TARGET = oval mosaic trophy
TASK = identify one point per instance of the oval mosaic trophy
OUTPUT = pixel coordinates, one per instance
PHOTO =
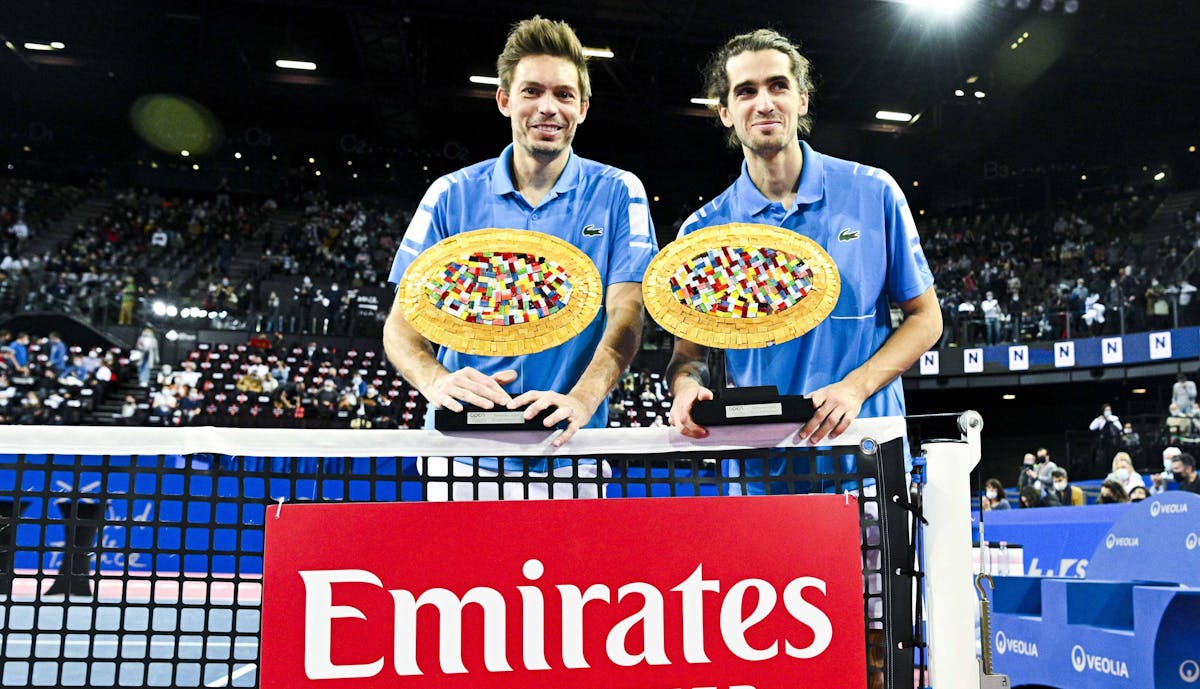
(499, 292)
(741, 286)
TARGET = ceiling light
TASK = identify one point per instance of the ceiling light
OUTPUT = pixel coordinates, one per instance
(705, 101)
(185, 153)
(1160, 177)
(476, 79)
(38, 46)
(1009, 396)
(1013, 46)
(598, 52)
(916, 183)
(1083, 177)
(960, 93)
(1047, 5)
(1191, 149)
(973, 78)
(195, 166)
(296, 64)
(890, 116)
(1138, 391)
(1071, 6)
(237, 154)
(57, 45)
(980, 94)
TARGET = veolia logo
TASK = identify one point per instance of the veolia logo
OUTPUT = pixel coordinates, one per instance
(1157, 508)
(1114, 541)
(1189, 671)
(1081, 659)
(1192, 541)
(1017, 646)
(1078, 657)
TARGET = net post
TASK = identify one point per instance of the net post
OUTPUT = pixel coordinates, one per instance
(949, 592)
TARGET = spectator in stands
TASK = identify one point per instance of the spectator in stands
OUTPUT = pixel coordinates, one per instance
(326, 399)
(1181, 425)
(1124, 473)
(1130, 441)
(129, 296)
(20, 353)
(164, 403)
(1138, 494)
(129, 410)
(1063, 491)
(991, 317)
(1031, 497)
(1107, 429)
(1183, 394)
(1183, 470)
(1036, 471)
(994, 496)
(147, 359)
(1112, 491)
(57, 352)
(74, 374)
(1160, 480)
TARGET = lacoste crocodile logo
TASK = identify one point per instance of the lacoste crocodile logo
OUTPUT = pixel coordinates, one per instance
(846, 235)
(592, 231)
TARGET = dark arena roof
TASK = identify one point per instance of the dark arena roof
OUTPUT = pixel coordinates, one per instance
(1103, 85)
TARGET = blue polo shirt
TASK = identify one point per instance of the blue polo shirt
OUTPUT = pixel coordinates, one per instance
(598, 208)
(858, 214)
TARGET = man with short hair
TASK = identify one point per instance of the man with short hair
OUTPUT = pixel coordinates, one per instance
(1183, 470)
(537, 184)
(850, 364)
(1063, 490)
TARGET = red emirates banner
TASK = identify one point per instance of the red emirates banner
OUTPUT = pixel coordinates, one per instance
(668, 593)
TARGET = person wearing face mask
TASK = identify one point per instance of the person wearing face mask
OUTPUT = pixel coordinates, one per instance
(994, 497)
(1161, 479)
(1183, 470)
(1123, 472)
(1064, 491)
(1111, 492)
(1138, 494)
(1107, 427)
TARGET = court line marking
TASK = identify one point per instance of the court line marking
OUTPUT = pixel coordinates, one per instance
(224, 681)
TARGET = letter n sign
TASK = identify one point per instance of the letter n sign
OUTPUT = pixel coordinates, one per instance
(1111, 351)
(973, 361)
(1160, 345)
(1018, 358)
(931, 364)
(1064, 354)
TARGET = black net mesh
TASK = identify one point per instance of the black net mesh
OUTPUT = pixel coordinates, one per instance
(145, 570)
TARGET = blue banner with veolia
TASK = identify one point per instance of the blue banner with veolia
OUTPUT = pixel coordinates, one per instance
(1132, 622)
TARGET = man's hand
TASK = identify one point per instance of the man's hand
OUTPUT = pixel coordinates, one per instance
(836, 405)
(469, 385)
(570, 409)
(681, 409)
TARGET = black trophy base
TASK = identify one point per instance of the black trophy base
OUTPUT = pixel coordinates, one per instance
(473, 418)
(752, 405)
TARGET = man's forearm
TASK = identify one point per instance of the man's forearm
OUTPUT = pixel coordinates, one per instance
(409, 352)
(689, 361)
(920, 330)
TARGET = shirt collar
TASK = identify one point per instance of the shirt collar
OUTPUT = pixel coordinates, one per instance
(810, 189)
(502, 181)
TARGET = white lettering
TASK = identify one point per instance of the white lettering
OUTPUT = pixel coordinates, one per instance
(650, 617)
(572, 619)
(319, 614)
(450, 609)
(692, 590)
(533, 614)
(734, 626)
(807, 614)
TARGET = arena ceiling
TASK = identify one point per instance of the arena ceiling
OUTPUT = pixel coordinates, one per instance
(395, 74)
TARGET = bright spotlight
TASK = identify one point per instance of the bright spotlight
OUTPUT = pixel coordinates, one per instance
(172, 335)
(890, 116)
(212, 314)
(1160, 177)
(159, 308)
(172, 311)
